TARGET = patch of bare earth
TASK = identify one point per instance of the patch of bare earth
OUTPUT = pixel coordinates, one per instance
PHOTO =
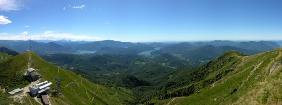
(20, 96)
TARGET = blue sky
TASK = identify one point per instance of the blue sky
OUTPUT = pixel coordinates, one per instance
(141, 20)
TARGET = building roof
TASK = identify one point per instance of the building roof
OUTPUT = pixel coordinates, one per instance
(40, 87)
(30, 69)
(34, 73)
(45, 99)
(15, 91)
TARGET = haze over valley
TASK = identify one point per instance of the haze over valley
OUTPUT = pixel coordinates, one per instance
(140, 52)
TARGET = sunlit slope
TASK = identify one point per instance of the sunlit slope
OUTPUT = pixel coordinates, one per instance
(253, 80)
(75, 89)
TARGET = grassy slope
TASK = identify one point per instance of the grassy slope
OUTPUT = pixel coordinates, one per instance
(4, 57)
(76, 90)
(254, 80)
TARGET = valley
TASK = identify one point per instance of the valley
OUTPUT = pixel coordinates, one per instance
(251, 82)
(198, 73)
(140, 52)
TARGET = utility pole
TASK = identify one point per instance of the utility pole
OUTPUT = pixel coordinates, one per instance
(29, 51)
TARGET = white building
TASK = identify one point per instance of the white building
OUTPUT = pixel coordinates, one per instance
(18, 90)
(39, 88)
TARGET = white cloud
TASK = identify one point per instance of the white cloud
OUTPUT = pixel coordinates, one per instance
(48, 32)
(9, 5)
(49, 35)
(5, 36)
(79, 6)
(4, 20)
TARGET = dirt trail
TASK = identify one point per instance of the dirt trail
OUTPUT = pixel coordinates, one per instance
(251, 73)
(37, 100)
(20, 96)
(275, 65)
(171, 101)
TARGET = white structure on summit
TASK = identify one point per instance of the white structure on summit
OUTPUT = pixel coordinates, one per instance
(18, 90)
(39, 88)
(32, 75)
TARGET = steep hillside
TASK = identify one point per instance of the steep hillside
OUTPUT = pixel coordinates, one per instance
(8, 51)
(75, 89)
(231, 79)
(4, 57)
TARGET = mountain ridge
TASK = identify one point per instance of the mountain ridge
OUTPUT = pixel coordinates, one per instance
(75, 89)
(253, 80)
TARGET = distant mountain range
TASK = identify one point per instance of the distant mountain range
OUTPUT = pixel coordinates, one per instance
(116, 47)
(198, 73)
(279, 42)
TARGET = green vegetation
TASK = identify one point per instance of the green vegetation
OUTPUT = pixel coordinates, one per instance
(232, 79)
(12, 72)
(161, 78)
(3, 99)
(4, 57)
(158, 78)
(75, 89)
(109, 69)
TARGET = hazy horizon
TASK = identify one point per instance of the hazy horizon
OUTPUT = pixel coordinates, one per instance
(150, 41)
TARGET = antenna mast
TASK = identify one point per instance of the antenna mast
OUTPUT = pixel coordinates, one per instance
(29, 51)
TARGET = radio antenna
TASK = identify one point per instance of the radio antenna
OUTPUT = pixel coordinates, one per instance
(29, 50)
